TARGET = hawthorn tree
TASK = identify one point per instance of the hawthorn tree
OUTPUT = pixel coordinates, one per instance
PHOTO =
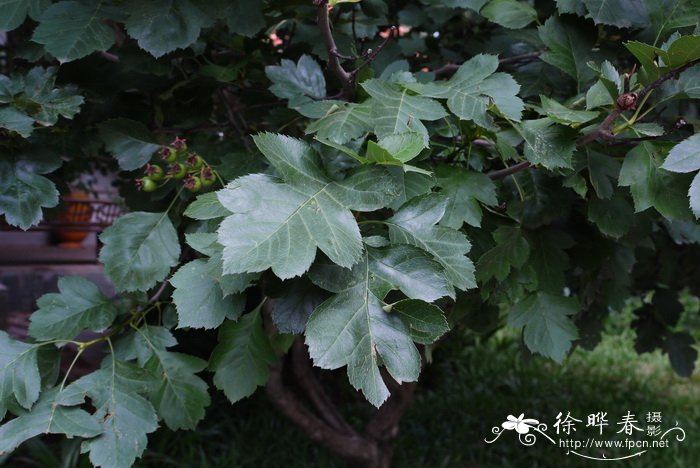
(334, 184)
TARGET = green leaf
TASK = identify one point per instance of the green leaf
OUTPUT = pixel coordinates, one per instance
(471, 89)
(414, 224)
(206, 206)
(614, 217)
(139, 250)
(181, 397)
(465, 189)
(47, 417)
(511, 252)
(548, 144)
(681, 353)
(70, 30)
(689, 82)
(19, 373)
(685, 156)
(403, 146)
(549, 259)
(351, 329)
(306, 212)
(563, 115)
(472, 4)
(142, 343)
(79, 305)
(162, 26)
(343, 122)
(23, 190)
(683, 50)
(129, 142)
(394, 110)
(602, 170)
(510, 14)
(652, 186)
(292, 310)
(300, 83)
(620, 13)
(16, 121)
(548, 330)
(646, 54)
(426, 322)
(244, 17)
(125, 416)
(408, 269)
(411, 184)
(569, 47)
(694, 195)
(35, 95)
(13, 12)
(598, 95)
(241, 359)
(199, 300)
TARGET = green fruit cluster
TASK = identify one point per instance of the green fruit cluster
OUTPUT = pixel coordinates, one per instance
(188, 167)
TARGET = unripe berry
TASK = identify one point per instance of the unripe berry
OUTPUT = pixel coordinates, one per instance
(192, 183)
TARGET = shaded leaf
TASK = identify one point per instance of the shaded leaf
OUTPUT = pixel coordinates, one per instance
(129, 142)
(351, 329)
(547, 328)
(465, 190)
(414, 224)
(241, 359)
(70, 30)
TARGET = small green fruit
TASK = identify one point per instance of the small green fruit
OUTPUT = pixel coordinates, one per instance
(145, 184)
(194, 161)
(192, 183)
(168, 154)
(177, 171)
(154, 172)
(207, 176)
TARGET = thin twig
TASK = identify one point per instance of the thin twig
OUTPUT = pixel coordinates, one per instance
(501, 173)
(346, 78)
(372, 53)
(450, 68)
(628, 101)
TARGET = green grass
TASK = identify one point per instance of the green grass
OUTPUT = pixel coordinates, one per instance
(478, 391)
(468, 390)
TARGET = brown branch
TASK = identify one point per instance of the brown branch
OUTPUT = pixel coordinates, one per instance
(628, 101)
(659, 81)
(501, 173)
(303, 371)
(450, 68)
(226, 98)
(371, 54)
(384, 425)
(346, 78)
(353, 447)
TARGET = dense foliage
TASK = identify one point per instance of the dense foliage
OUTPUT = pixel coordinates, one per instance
(457, 164)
